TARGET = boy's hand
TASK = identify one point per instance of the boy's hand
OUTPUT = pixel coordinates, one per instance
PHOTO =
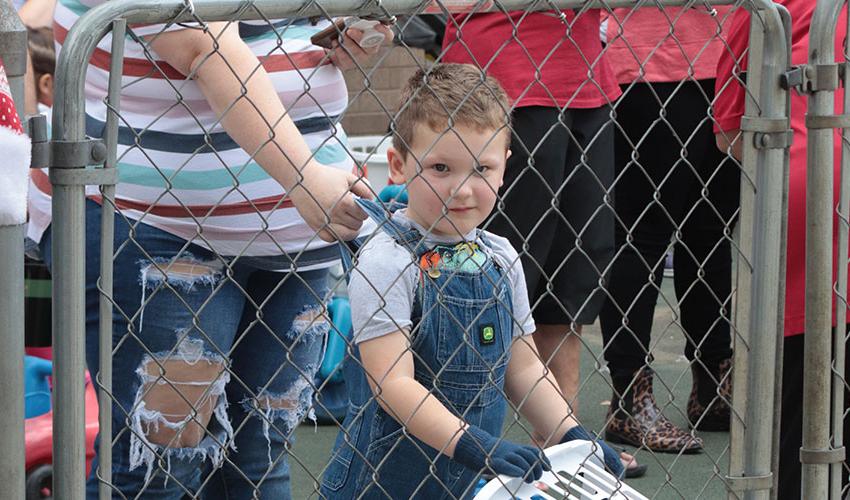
(478, 449)
(612, 458)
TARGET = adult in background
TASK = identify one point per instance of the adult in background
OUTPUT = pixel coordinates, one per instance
(556, 202)
(233, 178)
(672, 184)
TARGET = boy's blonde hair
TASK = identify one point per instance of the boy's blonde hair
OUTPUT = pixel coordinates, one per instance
(450, 94)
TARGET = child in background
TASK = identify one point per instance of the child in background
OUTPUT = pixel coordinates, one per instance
(441, 314)
(38, 89)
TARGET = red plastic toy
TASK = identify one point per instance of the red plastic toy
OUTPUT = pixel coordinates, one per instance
(39, 447)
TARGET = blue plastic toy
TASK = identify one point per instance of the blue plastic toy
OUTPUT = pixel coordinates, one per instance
(393, 192)
(331, 400)
(340, 312)
(36, 387)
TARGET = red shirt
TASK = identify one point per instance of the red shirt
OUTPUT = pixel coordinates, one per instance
(728, 110)
(539, 65)
(665, 46)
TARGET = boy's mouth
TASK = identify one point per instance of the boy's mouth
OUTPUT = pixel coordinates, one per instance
(460, 209)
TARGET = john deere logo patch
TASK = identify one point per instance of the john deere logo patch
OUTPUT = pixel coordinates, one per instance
(487, 334)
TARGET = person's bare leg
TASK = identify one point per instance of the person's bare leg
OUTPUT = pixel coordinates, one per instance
(560, 350)
(559, 347)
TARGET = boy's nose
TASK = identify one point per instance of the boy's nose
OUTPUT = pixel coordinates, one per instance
(462, 190)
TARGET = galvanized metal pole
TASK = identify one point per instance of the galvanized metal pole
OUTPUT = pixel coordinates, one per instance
(68, 233)
(13, 50)
(69, 284)
(780, 297)
(107, 230)
(758, 315)
(839, 340)
(819, 203)
(764, 325)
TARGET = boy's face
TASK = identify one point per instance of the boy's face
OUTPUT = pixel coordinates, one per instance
(452, 177)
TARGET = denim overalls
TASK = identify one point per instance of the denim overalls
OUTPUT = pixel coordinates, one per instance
(461, 339)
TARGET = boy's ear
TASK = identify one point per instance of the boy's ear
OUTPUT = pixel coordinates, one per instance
(396, 165)
(45, 89)
(502, 179)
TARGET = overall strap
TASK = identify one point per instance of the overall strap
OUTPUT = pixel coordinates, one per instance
(406, 237)
(409, 238)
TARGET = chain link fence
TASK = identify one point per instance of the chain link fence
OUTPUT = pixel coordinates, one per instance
(213, 323)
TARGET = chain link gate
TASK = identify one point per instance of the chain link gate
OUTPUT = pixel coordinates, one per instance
(758, 250)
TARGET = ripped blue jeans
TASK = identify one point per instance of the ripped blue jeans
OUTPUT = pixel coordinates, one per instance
(213, 363)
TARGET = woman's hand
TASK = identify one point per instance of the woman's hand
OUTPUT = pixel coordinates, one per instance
(322, 196)
(348, 54)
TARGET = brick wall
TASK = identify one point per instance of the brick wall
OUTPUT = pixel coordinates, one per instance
(369, 111)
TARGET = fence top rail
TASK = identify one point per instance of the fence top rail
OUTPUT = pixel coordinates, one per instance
(68, 116)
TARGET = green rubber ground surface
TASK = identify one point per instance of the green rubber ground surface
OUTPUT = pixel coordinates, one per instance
(670, 476)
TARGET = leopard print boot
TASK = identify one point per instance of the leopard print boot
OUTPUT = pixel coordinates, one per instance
(708, 405)
(636, 420)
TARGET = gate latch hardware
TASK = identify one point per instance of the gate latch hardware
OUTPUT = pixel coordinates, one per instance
(806, 79)
(40, 153)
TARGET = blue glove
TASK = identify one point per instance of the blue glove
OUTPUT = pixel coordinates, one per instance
(477, 449)
(612, 458)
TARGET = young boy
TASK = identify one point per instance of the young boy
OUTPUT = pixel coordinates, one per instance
(441, 314)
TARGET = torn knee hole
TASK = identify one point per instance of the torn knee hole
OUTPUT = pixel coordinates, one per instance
(277, 403)
(178, 399)
(185, 272)
(311, 321)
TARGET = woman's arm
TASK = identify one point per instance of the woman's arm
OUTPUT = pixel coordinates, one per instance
(388, 362)
(734, 147)
(241, 93)
(533, 390)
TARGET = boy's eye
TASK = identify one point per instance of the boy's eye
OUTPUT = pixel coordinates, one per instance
(481, 169)
(440, 167)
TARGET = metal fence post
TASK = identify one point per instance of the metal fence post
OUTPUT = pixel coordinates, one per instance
(762, 208)
(69, 156)
(816, 453)
(838, 379)
(13, 52)
(119, 28)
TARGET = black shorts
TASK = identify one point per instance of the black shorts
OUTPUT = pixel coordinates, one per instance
(557, 209)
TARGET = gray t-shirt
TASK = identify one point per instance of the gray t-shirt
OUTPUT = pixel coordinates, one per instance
(382, 285)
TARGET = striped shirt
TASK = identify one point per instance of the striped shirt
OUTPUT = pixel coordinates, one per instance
(179, 170)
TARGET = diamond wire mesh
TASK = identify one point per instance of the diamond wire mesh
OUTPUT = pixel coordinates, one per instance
(203, 282)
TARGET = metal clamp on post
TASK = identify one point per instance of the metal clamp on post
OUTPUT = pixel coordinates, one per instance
(828, 456)
(740, 484)
(768, 133)
(40, 153)
(67, 158)
(810, 79)
(827, 121)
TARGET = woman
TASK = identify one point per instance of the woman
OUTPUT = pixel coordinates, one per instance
(233, 179)
(671, 183)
